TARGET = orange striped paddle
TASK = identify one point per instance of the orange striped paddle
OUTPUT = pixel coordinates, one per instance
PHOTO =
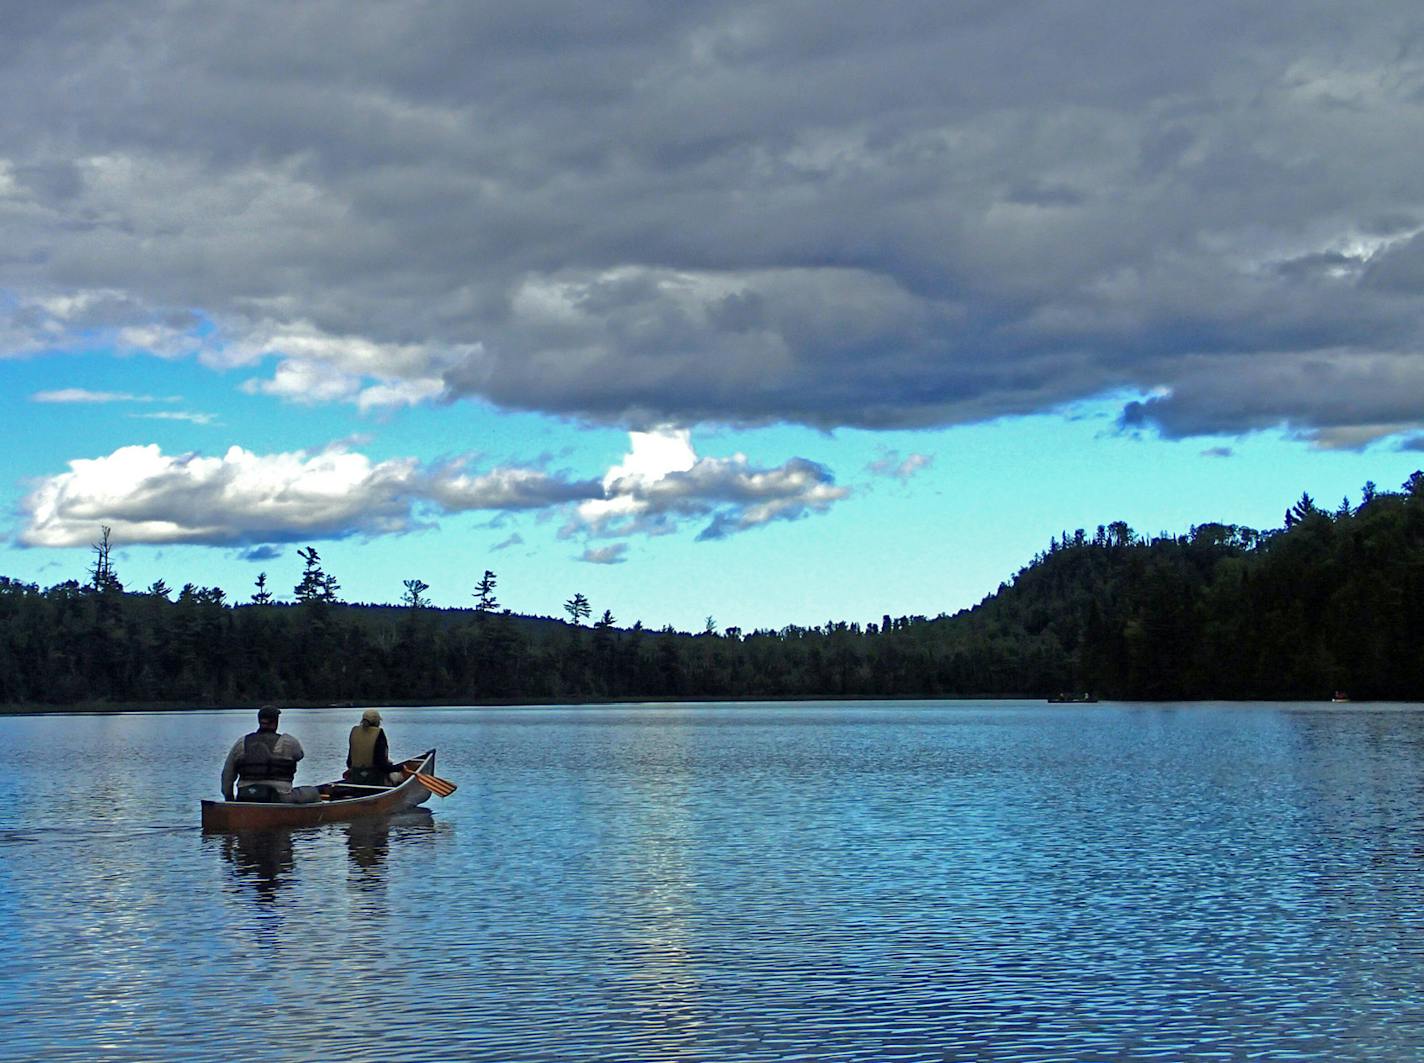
(436, 785)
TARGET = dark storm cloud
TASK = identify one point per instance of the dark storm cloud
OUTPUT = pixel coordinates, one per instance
(1336, 401)
(860, 214)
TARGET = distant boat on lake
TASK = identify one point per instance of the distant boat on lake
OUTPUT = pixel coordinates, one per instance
(1065, 698)
(1340, 695)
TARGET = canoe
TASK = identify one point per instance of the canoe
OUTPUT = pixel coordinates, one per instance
(346, 802)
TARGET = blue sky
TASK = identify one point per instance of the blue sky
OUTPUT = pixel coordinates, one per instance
(698, 310)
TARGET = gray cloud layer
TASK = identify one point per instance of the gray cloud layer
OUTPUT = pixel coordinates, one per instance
(872, 215)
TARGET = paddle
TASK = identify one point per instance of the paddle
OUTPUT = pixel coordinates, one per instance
(436, 785)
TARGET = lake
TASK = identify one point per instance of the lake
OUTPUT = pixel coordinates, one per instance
(825, 881)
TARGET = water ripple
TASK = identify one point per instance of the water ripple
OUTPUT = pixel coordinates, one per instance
(850, 882)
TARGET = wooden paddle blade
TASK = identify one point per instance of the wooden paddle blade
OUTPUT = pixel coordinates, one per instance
(436, 785)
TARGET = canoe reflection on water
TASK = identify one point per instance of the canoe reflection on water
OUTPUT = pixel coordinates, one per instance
(261, 858)
(266, 859)
(369, 840)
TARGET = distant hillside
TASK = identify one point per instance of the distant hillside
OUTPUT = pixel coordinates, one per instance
(1333, 600)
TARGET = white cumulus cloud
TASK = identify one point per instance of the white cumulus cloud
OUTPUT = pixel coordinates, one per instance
(662, 483)
(243, 498)
(147, 496)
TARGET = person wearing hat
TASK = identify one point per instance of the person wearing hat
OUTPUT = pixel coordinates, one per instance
(264, 763)
(368, 760)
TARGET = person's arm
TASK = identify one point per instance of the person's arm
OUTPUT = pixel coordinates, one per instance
(229, 773)
(382, 753)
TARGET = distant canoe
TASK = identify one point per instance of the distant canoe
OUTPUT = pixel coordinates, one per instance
(1340, 695)
(1072, 699)
(350, 802)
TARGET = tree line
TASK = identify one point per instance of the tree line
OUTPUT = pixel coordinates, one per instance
(1333, 600)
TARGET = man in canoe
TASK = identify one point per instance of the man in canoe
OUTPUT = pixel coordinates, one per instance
(368, 759)
(264, 763)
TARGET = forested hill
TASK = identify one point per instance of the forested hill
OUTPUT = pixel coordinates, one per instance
(1333, 600)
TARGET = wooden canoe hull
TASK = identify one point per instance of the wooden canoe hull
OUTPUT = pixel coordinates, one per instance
(254, 815)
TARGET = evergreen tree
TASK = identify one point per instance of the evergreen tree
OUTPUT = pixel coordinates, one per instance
(578, 609)
(1301, 510)
(317, 586)
(102, 576)
(313, 578)
(261, 596)
(484, 593)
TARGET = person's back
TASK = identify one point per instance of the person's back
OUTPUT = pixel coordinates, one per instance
(263, 764)
(368, 757)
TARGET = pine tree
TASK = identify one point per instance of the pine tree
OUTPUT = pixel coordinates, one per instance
(103, 577)
(484, 594)
(314, 585)
(578, 609)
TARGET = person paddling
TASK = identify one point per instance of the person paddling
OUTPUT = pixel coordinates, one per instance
(264, 764)
(368, 759)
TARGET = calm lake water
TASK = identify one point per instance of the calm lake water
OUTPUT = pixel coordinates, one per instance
(862, 881)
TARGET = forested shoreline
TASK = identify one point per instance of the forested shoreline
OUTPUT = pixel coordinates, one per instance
(1333, 600)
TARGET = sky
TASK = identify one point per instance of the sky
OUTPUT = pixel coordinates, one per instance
(713, 312)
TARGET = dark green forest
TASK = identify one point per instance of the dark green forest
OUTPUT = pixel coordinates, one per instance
(1333, 600)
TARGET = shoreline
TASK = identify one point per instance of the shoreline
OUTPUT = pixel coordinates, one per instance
(127, 708)
(120, 708)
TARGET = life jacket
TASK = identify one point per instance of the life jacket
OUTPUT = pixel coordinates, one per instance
(363, 746)
(258, 761)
